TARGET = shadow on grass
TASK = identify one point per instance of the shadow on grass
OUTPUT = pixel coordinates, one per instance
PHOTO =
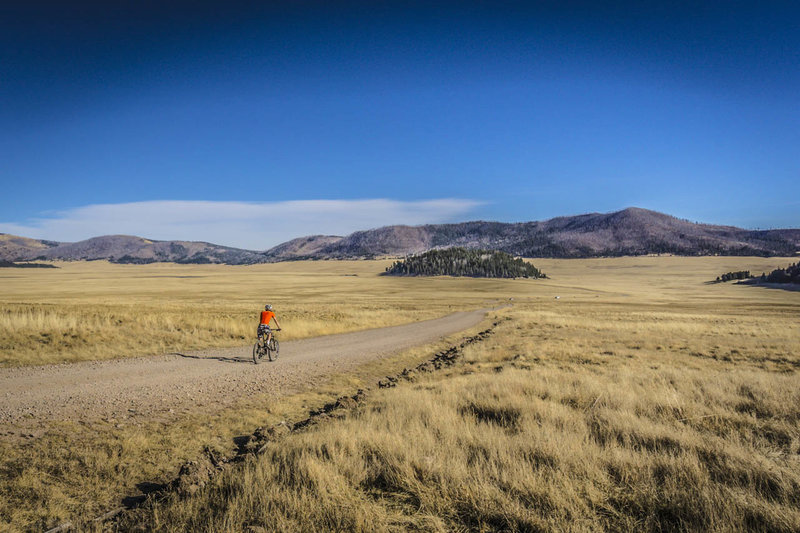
(766, 285)
(146, 488)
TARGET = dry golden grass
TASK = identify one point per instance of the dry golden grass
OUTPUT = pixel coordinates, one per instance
(77, 471)
(642, 399)
(677, 412)
(99, 310)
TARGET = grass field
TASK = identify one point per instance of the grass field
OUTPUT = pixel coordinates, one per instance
(641, 399)
(98, 310)
(553, 425)
(660, 406)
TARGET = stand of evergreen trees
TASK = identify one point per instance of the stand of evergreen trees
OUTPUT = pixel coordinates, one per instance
(730, 276)
(790, 274)
(464, 262)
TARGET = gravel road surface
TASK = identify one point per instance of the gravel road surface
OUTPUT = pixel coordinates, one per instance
(211, 379)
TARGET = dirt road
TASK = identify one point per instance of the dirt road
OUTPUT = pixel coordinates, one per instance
(212, 378)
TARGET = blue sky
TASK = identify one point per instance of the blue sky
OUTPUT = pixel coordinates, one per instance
(203, 121)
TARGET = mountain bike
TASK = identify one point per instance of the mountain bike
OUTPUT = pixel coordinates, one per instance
(263, 348)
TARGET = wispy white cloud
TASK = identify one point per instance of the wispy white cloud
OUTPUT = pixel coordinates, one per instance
(249, 225)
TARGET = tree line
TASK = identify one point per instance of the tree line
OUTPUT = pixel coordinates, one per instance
(730, 276)
(790, 274)
(11, 264)
(464, 262)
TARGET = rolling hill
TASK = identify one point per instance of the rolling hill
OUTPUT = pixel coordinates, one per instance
(632, 231)
(124, 249)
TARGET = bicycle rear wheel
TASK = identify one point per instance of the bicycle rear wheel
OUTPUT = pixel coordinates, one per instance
(257, 352)
(274, 350)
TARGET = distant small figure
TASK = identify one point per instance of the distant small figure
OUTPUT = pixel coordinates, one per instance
(558, 297)
(511, 299)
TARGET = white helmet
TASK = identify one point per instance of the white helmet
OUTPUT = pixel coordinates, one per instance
(267, 307)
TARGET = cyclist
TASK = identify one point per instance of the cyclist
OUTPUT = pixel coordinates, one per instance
(267, 315)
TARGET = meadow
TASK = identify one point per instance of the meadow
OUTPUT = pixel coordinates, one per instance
(671, 414)
(548, 426)
(641, 399)
(97, 310)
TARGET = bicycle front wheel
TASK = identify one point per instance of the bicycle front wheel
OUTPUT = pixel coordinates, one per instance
(274, 349)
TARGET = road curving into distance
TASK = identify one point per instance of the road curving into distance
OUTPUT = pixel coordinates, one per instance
(207, 379)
